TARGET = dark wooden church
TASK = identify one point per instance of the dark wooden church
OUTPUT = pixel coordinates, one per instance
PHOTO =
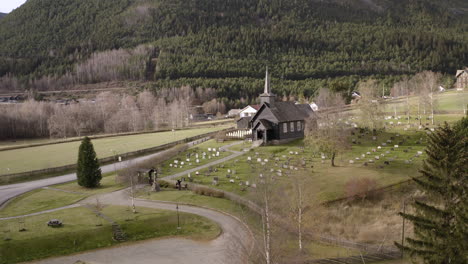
(278, 122)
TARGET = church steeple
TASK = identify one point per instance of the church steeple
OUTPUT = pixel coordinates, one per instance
(267, 83)
(267, 96)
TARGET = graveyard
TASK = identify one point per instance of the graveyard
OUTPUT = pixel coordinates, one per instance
(195, 156)
(388, 158)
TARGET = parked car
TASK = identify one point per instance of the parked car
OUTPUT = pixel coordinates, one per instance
(54, 223)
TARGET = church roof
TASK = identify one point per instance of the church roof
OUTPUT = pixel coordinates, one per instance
(289, 111)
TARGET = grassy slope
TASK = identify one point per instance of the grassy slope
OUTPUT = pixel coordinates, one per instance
(82, 230)
(13, 161)
(448, 101)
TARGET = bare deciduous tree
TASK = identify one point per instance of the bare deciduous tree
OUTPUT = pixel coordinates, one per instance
(369, 105)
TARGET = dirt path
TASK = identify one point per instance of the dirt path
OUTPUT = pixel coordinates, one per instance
(232, 246)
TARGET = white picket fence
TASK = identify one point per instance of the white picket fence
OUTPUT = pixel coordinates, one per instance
(240, 134)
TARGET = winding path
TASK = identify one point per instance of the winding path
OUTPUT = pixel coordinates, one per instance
(232, 246)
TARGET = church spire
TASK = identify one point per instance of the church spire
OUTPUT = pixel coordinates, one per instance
(267, 96)
(267, 83)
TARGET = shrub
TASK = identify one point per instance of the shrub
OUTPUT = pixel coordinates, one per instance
(208, 192)
(360, 188)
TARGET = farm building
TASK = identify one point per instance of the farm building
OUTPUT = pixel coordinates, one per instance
(249, 110)
(462, 79)
(278, 122)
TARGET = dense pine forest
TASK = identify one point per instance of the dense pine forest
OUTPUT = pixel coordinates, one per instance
(226, 44)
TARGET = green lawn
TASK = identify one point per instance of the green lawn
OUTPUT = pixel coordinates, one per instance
(36, 158)
(45, 199)
(83, 230)
(193, 151)
(447, 101)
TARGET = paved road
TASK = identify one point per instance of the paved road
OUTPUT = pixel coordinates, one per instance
(8, 192)
(232, 246)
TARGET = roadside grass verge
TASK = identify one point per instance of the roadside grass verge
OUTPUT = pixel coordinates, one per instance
(83, 230)
(42, 157)
(45, 199)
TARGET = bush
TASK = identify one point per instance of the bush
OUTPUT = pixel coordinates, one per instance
(363, 188)
(208, 192)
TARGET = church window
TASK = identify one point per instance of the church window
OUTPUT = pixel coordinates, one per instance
(292, 126)
(285, 127)
(299, 126)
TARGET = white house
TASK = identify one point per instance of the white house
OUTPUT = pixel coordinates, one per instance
(249, 110)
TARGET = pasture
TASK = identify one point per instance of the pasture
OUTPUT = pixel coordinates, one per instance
(56, 155)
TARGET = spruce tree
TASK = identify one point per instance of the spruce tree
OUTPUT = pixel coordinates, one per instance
(88, 171)
(440, 220)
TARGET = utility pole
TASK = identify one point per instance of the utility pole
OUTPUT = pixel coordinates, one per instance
(403, 229)
(133, 196)
(178, 218)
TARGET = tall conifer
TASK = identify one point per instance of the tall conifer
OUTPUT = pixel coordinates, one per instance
(88, 171)
(440, 221)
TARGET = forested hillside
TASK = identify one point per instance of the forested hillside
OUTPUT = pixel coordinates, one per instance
(2, 15)
(226, 44)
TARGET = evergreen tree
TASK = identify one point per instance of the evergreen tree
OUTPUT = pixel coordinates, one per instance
(440, 221)
(88, 171)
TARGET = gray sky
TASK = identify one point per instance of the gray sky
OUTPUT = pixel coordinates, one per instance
(6, 6)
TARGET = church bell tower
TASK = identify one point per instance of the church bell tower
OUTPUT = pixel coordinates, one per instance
(267, 96)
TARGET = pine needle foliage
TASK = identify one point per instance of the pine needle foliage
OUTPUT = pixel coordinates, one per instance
(440, 221)
(88, 171)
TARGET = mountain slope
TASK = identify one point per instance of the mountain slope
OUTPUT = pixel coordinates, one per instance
(2, 15)
(215, 39)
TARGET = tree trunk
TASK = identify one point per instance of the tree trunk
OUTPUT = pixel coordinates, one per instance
(333, 159)
(267, 230)
(300, 218)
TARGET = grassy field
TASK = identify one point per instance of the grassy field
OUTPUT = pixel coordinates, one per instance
(189, 157)
(83, 230)
(45, 199)
(36, 158)
(447, 101)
